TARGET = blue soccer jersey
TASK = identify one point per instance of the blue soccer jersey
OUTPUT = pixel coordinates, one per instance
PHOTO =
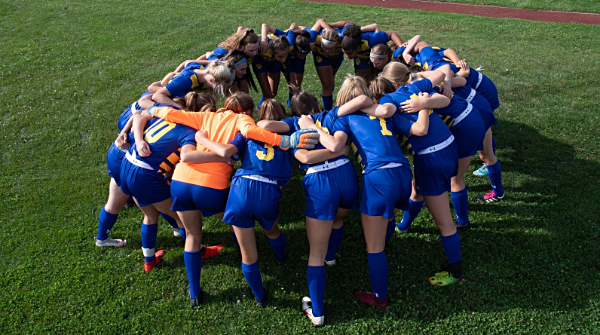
(374, 139)
(263, 159)
(437, 131)
(165, 140)
(369, 40)
(324, 120)
(186, 81)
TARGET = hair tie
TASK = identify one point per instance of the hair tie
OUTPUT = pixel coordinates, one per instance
(376, 56)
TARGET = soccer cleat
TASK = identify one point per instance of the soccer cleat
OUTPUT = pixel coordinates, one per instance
(490, 197)
(482, 171)
(284, 259)
(130, 203)
(176, 232)
(211, 251)
(368, 298)
(261, 303)
(461, 226)
(398, 230)
(110, 242)
(194, 302)
(158, 256)
(331, 262)
(444, 279)
(307, 309)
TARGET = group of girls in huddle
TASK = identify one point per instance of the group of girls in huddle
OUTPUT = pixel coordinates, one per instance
(178, 157)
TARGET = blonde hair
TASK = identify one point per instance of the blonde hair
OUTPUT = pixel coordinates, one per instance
(396, 72)
(352, 87)
(383, 50)
(271, 109)
(238, 102)
(331, 35)
(222, 74)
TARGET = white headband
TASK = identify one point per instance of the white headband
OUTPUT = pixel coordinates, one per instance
(327, 43)
(372, 55)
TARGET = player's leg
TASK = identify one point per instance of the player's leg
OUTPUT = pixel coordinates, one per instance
(459, 194)
(149, 231)
(375, 229)
(247, 241)
(440, 211)
(415, 204)
(318, 232)
(278, 243)
(488, 156)
(326, 77)
(108, 216)
(335, 238)
(192, 220)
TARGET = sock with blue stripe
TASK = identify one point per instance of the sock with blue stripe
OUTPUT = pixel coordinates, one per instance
(315, 277)
(252, 275)
(193, 267)
(451, 246)
(279, 246)
(495, 175)
(106, 221)
(379, 273)
(335, 240)
(170, 220)
(460, 201)
(391, 228)
(414, 208)
(327, 102)
(149, 232)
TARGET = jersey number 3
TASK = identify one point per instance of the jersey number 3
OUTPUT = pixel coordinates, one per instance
(268, 156)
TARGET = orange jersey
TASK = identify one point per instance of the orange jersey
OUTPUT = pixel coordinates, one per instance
(220, 127)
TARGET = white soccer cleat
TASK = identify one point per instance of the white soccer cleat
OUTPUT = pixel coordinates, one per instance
(330, 263)
(176, 232)
(110, 242)
(307, 309)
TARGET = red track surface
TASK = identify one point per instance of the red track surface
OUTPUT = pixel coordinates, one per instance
(489, 11)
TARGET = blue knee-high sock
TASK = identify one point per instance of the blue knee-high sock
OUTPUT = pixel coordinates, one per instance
(315, 277)
(335, 240)
(182, 233)
(414, 208)
(327, 102)
(106, 221)
(252, 275)
(279, 246)
(234, 237)
(495, 175)
(451, 246)
(170, 221)
(262, 98)
(460, 201)
(379, 273)
(391, 228)
(193, 266)
(149, 232)
(290, 95)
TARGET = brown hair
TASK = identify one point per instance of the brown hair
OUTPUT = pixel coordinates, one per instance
(303, 103)
(198, 102)
(279, 44)
(240, 39)
(352, 37)
(382, 49)
(302, 41)
(352, 87)
(271, 109)
(238, 102)
(379, 87)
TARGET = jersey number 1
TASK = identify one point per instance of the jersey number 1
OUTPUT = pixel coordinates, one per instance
(383, 125)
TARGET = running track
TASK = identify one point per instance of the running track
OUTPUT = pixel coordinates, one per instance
(479, 10)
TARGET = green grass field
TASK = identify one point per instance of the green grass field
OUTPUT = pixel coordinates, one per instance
(69, 68)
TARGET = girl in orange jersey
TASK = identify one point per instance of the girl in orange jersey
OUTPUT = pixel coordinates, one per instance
(201, 189)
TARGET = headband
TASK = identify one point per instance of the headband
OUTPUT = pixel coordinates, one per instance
(302, 51)
(372, 55)
(327, 43)
(241, 62)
